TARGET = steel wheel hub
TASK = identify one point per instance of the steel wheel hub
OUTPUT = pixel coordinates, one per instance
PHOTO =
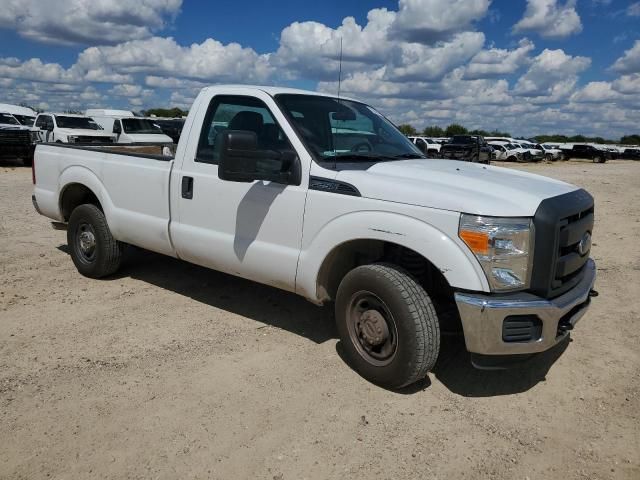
(373, 328)
(86, 243)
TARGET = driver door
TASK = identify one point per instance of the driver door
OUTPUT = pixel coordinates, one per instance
(251, 229)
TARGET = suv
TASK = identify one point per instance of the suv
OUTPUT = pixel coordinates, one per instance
(469, 148)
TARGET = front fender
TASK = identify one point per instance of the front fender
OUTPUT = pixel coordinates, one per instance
(449, 255)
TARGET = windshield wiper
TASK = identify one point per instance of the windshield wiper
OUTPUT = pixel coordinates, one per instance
(356, 156)
(408, 156)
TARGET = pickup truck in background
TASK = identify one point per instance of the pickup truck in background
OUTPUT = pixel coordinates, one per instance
(172, 127)
(505, 152)
(24, 115)
(70, 128)
(588, 152)
(468, 148)
(16, 140)
(428, 146)
(403, 247)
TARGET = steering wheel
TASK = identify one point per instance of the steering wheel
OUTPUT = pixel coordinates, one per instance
(362, 147)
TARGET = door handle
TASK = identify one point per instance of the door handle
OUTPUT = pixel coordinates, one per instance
(187, 187)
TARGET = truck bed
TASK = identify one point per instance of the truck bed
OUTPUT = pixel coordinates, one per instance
(131, 185)
(145, 150)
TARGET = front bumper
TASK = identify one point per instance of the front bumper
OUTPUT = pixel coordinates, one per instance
(483, 317)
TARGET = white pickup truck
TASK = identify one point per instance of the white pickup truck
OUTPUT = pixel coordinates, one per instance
(404, 246)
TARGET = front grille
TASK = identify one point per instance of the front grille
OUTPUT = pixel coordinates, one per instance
(14, 137)
(563, 226)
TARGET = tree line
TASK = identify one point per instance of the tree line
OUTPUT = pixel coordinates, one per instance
(457, 129)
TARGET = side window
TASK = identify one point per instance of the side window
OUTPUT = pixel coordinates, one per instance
(41, 122)
(238, 113)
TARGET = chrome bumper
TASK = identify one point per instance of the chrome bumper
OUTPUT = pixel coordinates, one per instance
(483, 316)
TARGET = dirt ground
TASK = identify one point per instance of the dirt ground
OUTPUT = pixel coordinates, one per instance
(169, 371)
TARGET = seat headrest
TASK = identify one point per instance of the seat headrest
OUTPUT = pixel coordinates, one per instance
(247, 120)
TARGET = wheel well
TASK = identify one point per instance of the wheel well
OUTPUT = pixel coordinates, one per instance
(74, 195)
(352, 254)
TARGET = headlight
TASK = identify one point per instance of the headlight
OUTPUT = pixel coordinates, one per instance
(72, 139)
(502, 246)
(34, 136)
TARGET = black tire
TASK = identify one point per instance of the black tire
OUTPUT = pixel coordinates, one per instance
(27, 161)
(412, 326)
(87, 225)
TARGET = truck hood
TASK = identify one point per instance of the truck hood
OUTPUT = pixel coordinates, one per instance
(457, 186)
(149, 138)
(6, 126)
(83, 132)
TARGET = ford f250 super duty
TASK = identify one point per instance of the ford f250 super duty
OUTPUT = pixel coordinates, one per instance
(324, 197)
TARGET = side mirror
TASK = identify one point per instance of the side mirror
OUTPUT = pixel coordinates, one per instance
(116, 128)
(242, 161)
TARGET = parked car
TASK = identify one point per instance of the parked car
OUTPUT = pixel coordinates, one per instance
(127, 128)
(587, 151)
(550, 153)
(392, 240)
(506, 153)
(534, 154)
(631, 154)
(16, 140)
(24, 115)
(171, 127)
(428, 146)
(70, 128)
(469, 148)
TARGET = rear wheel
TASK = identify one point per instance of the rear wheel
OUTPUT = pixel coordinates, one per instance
(387, 325)
(94, 251)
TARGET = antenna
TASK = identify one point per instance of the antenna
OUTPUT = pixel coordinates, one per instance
(340, 70)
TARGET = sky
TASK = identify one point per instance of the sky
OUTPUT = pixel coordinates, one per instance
(525, 66)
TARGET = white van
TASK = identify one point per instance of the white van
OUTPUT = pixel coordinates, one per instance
(127, 128)
(24, 115)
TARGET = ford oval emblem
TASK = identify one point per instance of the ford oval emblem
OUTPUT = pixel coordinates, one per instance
(585, 244)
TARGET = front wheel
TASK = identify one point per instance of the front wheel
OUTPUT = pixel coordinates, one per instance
(387, 325)
(94, 251)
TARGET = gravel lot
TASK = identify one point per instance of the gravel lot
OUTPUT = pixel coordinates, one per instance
(169, 370)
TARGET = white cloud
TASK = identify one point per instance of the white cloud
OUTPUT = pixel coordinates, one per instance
(417, 62)
(627, 84)
(87, 21)
(312, 49)
(550, 19)
(596, 92)
(209, 60)
(551, 76)
(497, 61)
(633, 10)
(629, 62)
(430, 21)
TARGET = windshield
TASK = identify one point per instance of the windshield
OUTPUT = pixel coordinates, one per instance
(25, 120)
(77, 123)
(335, 129)
(8, 119)
(140, 125)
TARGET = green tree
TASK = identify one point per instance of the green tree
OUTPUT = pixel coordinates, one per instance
(407, 129)
(630, 139)
(455, 129)
(433, 131)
